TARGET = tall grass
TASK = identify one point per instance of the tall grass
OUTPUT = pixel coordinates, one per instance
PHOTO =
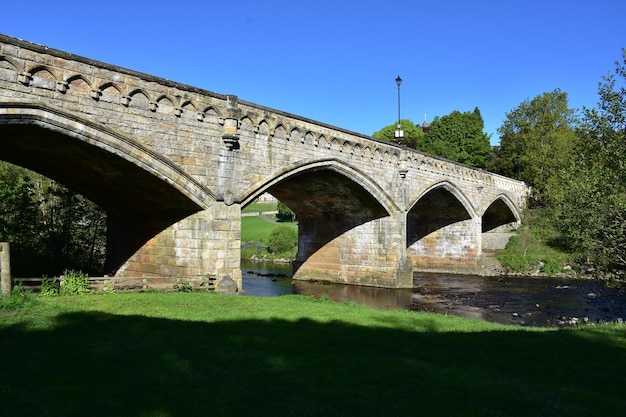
(202, 354)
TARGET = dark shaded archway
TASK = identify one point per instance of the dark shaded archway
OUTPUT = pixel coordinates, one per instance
(139, 204)
(327, 204)
(498, 213)
(436, 209)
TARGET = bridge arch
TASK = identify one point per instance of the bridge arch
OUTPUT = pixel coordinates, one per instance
(15, 66)
(143, 192)
(500, 212)
(453, 191)
(335, 165)
(441, 229)
(336, 205)
(78, 77)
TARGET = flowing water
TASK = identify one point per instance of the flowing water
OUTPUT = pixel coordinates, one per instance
(509, 300)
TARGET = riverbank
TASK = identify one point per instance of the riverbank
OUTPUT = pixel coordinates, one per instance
(295, 355)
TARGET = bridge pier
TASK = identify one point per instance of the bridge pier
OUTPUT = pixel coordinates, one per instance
(206, 245)
(371, 254)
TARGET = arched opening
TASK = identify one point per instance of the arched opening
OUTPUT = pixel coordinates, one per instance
(51, 229)
(327, 205)
(441, 231)
(436, 209)
(498, 222)
(498, 214)
(132, 186)
(344, 229)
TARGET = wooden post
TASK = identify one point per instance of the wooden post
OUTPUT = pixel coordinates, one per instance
(5, 269)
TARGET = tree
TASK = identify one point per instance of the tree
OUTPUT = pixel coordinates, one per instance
(18, 209)
(590, 204)
(413, 134)
(284, 212)
(50, 228)
(459, 137)
(537, 140)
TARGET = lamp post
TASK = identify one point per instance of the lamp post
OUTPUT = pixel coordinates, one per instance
(399, 133)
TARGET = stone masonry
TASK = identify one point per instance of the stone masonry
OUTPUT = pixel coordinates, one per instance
(173, 165)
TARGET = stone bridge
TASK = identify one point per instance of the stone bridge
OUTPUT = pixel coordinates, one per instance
(173, 166)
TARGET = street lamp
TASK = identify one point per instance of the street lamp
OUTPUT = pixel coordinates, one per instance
(399, 133)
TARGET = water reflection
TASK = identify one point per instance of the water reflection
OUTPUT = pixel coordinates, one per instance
(508, 300)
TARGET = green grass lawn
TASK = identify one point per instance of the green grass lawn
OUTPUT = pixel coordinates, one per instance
(202, 354)
(256, 229)
(259, 207)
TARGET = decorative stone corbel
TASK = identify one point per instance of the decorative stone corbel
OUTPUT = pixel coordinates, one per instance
(125, 100)
(200, 117)
(230, 122)
(24, 78)
(61, 86)
(230, 135)
(403, 165)
(95, 93)
(152, 106)
(178, 111)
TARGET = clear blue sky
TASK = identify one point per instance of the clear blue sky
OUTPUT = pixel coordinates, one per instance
(336, 61)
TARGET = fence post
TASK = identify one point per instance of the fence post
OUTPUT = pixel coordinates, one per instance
(5, 269)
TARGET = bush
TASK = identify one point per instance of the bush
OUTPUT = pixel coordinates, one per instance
(183, 287)
(536, 244)
(282, 239)
(19, 298)
(75, 282)
(50, 287)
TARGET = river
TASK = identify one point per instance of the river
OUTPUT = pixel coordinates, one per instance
(530, 301)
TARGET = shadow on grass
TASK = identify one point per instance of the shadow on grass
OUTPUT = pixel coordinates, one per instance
(97, 364)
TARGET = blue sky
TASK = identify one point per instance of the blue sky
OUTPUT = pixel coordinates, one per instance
(336, 61)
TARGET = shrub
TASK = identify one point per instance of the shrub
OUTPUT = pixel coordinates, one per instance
(75, 282)
(19, 298)
(50, 287)
(282, 239)
(183, 287)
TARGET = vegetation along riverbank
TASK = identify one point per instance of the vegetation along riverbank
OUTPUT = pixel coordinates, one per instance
(173, 354)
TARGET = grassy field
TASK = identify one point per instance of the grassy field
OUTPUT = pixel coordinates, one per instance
(202, 354)
(255, 229)
(258, 207)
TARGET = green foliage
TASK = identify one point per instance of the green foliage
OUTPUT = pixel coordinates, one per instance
(255, 233)
(74, 283)
(459, 137)
(248, 250)
(537, 140)
(18, 299)
(50, 287)
(282, 239)
(50, 227)
(413, 134)
(535, 247)
(589, 205)
(284, 212)
(183, 287)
